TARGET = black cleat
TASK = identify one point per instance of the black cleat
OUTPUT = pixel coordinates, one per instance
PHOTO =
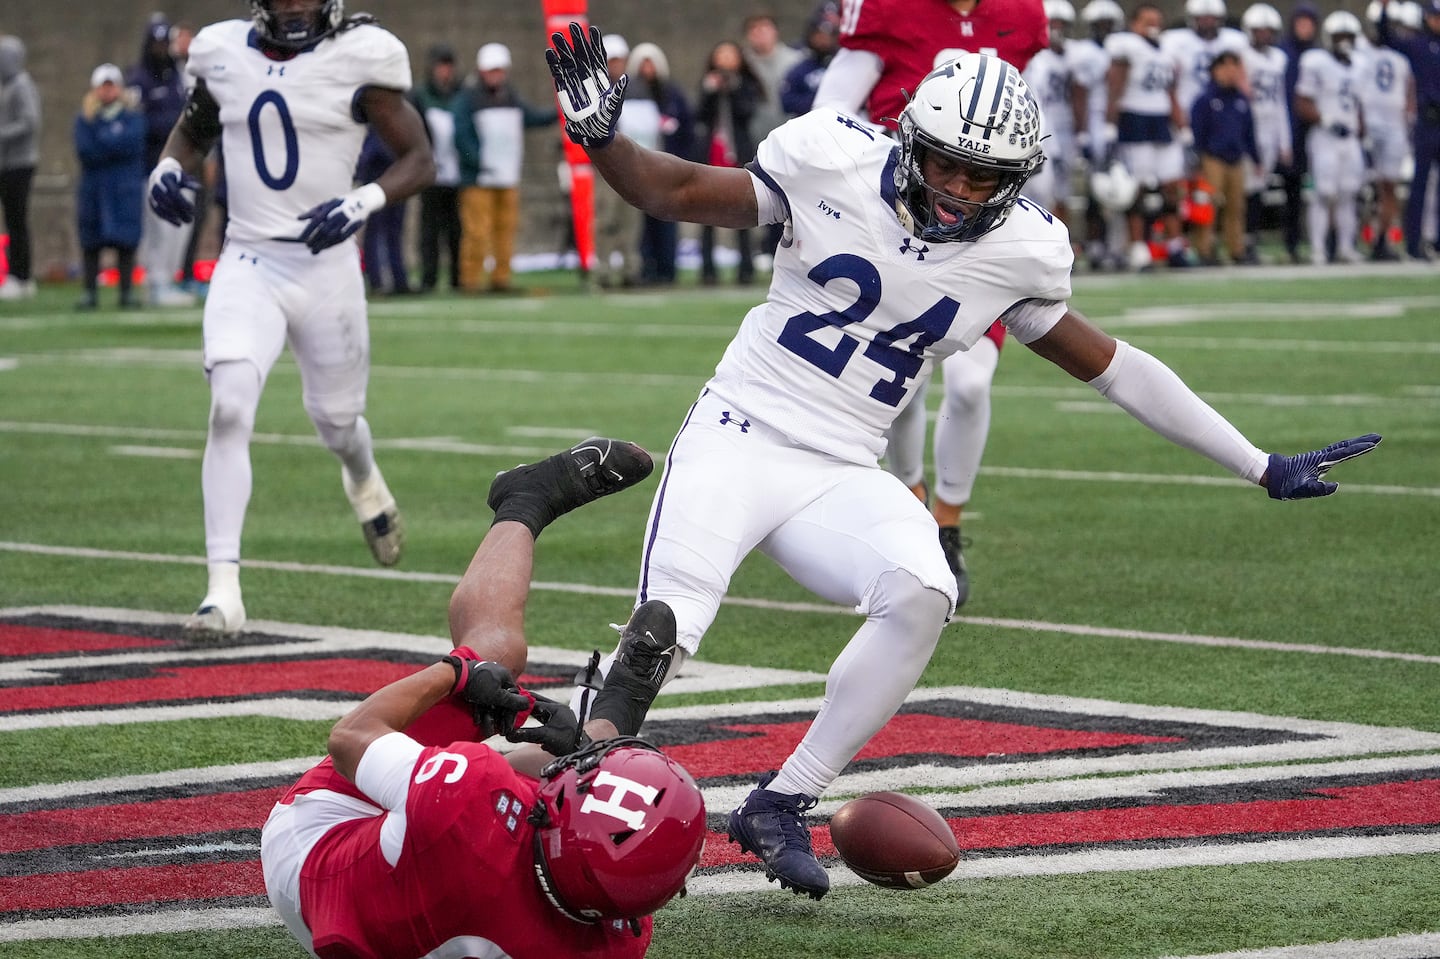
(772, 826)
(539, 493)
(953, 546)
(647, 647)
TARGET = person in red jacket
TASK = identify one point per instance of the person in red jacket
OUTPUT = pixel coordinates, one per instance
(415, 838)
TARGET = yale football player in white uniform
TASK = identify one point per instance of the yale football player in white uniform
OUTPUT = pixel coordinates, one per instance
(1327, 95)
(292, 90)
(1194, 45)
(1265, 66)
(894, 256)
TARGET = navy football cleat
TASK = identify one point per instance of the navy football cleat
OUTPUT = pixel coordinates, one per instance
(647, 647)
(772, 826)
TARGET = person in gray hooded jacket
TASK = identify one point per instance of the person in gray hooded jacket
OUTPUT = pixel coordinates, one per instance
(19, 155)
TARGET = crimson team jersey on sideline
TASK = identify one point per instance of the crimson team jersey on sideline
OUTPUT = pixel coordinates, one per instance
(464, 881)
(912, 36)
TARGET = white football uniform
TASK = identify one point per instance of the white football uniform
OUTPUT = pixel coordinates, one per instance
(1147, 145)
(1192, 54)
(1337, 164)
(291, 140)
(1088, 65)
(1265, 70)
(780, 452)
(1383, 80)
(1049, 75)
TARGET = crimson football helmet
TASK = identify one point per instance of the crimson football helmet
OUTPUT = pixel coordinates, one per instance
(299, 30)
(618, 828)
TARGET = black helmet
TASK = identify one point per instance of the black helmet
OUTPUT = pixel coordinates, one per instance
(299, 31)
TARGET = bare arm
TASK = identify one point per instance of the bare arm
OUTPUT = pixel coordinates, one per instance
(388, 710)
(670, 188)
(196, 131)
(400, 126)
(1306, 109)
(1115, 79)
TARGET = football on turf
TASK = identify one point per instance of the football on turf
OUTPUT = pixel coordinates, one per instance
(894, 840)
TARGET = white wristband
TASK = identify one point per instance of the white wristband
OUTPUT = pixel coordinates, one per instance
(363, 201)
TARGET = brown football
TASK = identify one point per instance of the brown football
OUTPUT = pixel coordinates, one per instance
(894, 840)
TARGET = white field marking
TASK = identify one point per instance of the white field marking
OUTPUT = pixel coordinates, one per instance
(280, 769)
(190, 850)
(1026, 625)
(8, 363)
(1251, 313)
(550, 432)
(449, 445)
(1231, 345)
(152, 923)
(1116, 860)
(1423, 945)
(157, 452)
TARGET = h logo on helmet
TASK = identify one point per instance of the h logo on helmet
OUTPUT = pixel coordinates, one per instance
(615, 805)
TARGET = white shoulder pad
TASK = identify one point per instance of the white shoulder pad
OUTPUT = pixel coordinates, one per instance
(212, 41)
(377, 56)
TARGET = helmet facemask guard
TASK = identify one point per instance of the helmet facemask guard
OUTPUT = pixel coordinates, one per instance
(975, 113)
(297, 30)
(618, 829)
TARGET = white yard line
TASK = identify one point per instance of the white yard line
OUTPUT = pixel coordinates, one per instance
(1424, 945)
(1075, 629)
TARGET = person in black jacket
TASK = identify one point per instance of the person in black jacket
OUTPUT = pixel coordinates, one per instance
(729, 97)
(1224, 129)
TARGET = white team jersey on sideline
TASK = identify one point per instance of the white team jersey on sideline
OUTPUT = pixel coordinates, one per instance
(291, 137)
(1332, 85)
(1151, 74)
(1088, 65)
(1265, 70)
(1192, 55)
(1382, 79)
(858, 308)
(1049, 76)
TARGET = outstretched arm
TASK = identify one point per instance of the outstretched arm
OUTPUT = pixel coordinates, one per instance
(664, 186)
(1151, 392)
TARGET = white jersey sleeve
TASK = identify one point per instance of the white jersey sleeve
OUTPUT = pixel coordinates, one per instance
(292, 129)
(859, 309)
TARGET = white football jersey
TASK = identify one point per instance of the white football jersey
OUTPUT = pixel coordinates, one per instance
(1192, 55)
(1151, 75)
(1049, 76)
(1265, 69)
(858, 308)
(291, 136)
(1331, 84)
(1088, 65)
(1382, 81)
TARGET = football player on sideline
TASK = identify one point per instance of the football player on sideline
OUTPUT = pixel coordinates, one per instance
(886, 48)
(414, 838)
(292, 90)
(895, 255)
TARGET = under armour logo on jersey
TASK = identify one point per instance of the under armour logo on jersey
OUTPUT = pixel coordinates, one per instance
(726, 419)
(854, 124)
(918, 249)
(242, 257)
(275, 70)
(615, 806)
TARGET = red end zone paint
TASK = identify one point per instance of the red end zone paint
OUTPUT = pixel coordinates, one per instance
(760, 747)
(39, 640)
(136, 884)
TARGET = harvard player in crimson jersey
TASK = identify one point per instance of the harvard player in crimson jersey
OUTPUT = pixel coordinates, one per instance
(886, 48)
(413, 838)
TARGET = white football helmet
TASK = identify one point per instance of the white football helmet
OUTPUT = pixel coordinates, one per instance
(1339, 24)
(1408, 14)
(1261, 16)
(1097, 10)
(1114, 188)
(976, 111)
(1205, 8)
(1059, 10)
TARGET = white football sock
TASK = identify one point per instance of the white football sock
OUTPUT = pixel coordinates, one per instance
(225, 475)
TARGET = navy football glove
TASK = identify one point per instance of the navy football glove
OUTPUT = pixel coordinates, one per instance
(495, 699)
(335, 221)
(1298, 477)
(582, 79)
(168, 183)
(559, 731)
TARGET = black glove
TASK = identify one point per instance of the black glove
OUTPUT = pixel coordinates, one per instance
(495, 699)
(1298, 477)
(582, 79)
(559, 731)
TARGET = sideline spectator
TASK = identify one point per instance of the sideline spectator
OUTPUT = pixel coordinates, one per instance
(159, 82)
(439, 202)
(1324, 96)
(490, 124)
(770, 61)
(1304, 25)
(649, 71)
(384, 232)
(1224, 137)
(1265, 67)
(19, 155)
(110, 144)
(729, 96)
(822, 39)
